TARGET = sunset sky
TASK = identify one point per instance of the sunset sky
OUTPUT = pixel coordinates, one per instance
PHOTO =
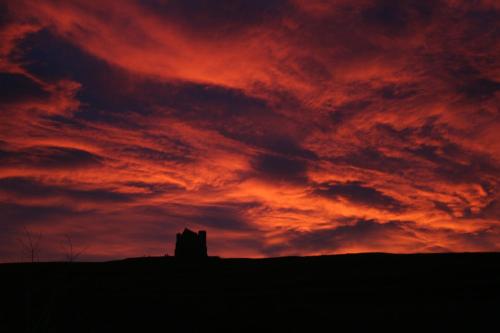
(296, 127)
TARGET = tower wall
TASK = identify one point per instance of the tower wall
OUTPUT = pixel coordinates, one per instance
(191, 245)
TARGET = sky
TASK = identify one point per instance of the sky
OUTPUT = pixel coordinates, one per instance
(299, 127)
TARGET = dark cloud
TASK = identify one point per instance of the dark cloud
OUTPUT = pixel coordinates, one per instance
(396, 92)
(279, 168)
(15, 216)
(456, 164)
(348, 110)
(28, 188)
(362, 233)
(50, 157)
(20, 88)
(225, 216)
(481, 21)
(371, 159)
(479, 89)
(206, 103)
(52, 58)
(4, 14)
(233, 114)
(222, 17)
(155, 155)
(313, 69)
(230, 216)
(492, 210)
(396, 18)
(464, 76)
(107, 93)
(485, 239)
(374, 235)
(358, 193)
(157, 188)
(282, 145)
(405, 136)
(443, 207)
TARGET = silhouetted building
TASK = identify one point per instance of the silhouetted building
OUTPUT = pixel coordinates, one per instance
(190, 244)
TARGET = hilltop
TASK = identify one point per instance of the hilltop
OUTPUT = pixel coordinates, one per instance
(343, 292)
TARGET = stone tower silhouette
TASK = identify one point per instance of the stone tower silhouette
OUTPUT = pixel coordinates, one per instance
(191, 245)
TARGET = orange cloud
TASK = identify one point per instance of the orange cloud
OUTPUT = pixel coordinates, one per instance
(282, 127)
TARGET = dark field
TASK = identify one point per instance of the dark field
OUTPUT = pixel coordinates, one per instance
(435, 292)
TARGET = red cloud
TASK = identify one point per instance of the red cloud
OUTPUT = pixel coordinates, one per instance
(284, 127)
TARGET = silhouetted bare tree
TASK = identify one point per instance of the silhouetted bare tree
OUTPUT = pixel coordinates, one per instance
(30, 244)
(69, 249)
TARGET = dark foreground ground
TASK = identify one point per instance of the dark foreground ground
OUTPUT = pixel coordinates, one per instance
(437, 292)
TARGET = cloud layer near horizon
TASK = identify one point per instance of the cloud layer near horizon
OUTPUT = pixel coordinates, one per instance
(281, 127)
